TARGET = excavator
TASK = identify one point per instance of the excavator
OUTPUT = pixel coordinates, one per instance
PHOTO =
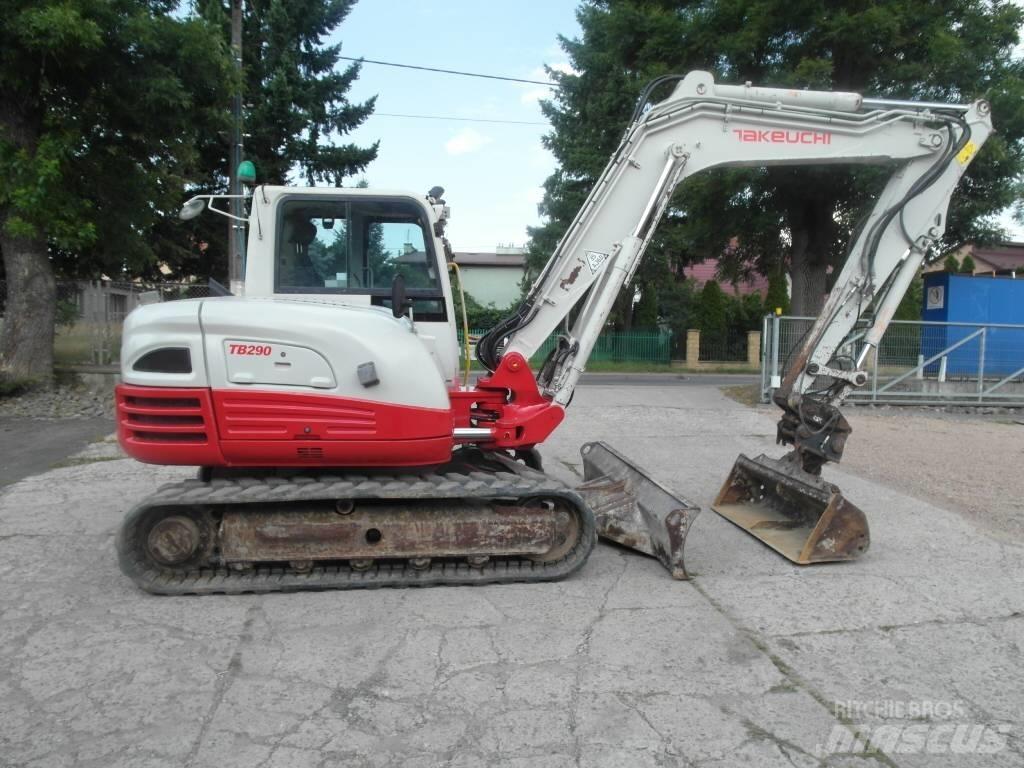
(339, 445)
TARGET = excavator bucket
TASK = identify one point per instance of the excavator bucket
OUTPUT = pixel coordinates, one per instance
(633, 509)
(795, 513)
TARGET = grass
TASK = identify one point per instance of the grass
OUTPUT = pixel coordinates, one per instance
(725, 368)
(745, 394)
(76, 345)
(624, 366)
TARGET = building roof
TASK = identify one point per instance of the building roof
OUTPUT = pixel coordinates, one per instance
(1005, 257)
(490, 259)
(706, 270)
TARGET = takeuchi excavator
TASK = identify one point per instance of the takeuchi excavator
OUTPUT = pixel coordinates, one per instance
(339, 445)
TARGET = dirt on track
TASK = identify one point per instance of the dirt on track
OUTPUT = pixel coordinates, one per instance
(970, 463)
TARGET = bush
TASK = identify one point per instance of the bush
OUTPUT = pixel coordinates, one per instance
(951, 265)
(713, 314)
(645, 315)
(479, 316)
(967, 265)
(777, 296)
(67, 313)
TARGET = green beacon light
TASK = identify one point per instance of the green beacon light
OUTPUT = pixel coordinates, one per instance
(247, 172)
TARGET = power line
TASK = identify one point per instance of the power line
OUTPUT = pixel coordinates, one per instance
(461, 119)
(451, 71)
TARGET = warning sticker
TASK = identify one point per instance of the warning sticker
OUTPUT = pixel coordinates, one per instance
(967, 153)
(595, 259)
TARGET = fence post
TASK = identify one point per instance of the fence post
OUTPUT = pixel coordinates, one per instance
(753, 348)
(776, 380)
(692, 347)
(981, 363)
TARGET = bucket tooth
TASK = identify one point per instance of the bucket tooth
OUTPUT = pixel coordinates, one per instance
(633, 509)
(799, 515)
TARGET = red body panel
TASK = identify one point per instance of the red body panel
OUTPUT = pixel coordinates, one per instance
(253, 428)
(256, 428)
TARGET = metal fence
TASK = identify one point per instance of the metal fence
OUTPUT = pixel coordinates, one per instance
(916, 361)
(729, 346)
(633, 347)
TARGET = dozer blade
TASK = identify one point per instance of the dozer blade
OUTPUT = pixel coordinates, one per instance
(633, 509)
(798, 515)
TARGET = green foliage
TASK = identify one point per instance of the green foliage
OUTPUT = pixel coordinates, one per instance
(297, 111)
(713, 314)
(676, 307)
(951, 264)
(102, 106)
(67, 313)
(912, 303)
(951, 50)
(777, 296)
(296, 114)
(480, 317)
(645, 313)
(967, 265)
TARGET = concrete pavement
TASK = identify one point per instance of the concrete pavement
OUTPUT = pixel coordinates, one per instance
(753, 662)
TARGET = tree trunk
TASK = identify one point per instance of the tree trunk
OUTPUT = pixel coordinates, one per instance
(812, 229)
(26, 343)
(26, 340)
(809, 277)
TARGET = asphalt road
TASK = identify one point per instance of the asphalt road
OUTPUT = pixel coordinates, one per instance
(668, 379)
(31, 446)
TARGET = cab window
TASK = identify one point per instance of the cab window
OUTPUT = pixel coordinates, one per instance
(357, 247)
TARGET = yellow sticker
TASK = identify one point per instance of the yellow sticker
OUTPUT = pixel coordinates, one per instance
(967, 153)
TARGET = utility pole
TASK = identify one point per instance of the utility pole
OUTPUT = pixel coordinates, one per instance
(236, 229)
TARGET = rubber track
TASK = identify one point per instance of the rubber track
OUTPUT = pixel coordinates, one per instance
(517, 482)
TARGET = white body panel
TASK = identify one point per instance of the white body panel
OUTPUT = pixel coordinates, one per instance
(237, 343)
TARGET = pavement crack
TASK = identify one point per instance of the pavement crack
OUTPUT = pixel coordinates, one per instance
(224, 682)
(792, 676)
(582, 653)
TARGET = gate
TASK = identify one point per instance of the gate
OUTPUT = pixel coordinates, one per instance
(927, 363)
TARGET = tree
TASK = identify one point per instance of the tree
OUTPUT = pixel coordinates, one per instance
(101, 106)
(951, 264)
(967, 265)
(297, 112)
(645, 313)
(777, 296)
(952, 50)
(713, 316)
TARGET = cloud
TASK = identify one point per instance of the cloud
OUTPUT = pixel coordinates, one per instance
(536, 93)
(466, 141)
(534, 195)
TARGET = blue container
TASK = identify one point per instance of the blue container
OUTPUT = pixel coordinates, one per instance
(973, 301)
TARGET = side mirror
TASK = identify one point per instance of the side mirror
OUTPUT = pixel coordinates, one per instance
(399, 301)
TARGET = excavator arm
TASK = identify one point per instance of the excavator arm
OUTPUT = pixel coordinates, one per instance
(704, 125)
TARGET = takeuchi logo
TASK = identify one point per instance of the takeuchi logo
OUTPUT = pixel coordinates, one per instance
(753, 136)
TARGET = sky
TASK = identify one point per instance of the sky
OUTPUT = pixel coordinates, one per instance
(492, 172)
